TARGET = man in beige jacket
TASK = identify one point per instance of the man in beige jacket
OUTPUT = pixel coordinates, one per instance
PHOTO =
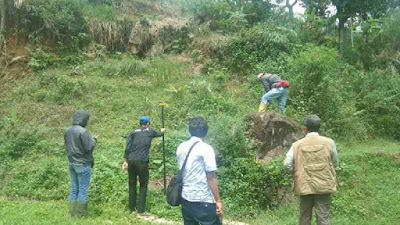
(313, 160)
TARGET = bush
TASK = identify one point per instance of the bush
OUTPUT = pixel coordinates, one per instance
(39, 59)
(45, 181)
(125, 67)
(174, 39)
(205, 99)
(378, 102)
(205, 11)
(109, 183)
(247, 186)
(59, 22)
(54, 85)
(221, 14)
(317, 88)
(230, 139)
(255, 45)
(16, 138)
(113, 33)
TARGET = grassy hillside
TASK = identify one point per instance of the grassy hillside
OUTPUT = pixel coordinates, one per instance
(204, 65)
(368, 194)
(116, 91)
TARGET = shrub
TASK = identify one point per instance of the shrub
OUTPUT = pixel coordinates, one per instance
(109, 183)
(378, 102)
(45, 181)
(221, 13)
(318, 88)
(39, 59)
(205, 99)
(247, 186)
(207, 11)
(59, 22)
(255, 45)
(229, 138)
(54, 85)
(174, 39)
(128, 67)
(114, 34)
(16, 138)
(235, 22)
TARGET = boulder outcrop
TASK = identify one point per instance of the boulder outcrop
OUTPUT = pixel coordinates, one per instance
(273, 134)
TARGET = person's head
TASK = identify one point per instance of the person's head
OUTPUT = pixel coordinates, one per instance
(312, 123)
(198, 127)
(144, 121)
(81, 118)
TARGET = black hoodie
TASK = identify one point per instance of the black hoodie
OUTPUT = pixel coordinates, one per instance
(78, 142)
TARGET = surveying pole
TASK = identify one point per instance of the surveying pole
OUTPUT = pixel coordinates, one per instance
(163, 104)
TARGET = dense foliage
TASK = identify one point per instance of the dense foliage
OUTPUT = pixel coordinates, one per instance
(80, 56)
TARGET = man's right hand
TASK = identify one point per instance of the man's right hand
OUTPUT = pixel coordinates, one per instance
(220, 212)
(219, 209)
(125, 166)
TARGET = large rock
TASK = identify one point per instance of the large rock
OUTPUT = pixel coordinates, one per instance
(273, 134)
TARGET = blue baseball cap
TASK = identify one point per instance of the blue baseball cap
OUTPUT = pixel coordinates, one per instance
(144, 119)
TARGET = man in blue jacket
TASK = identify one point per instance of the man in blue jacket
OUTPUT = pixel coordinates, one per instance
(79, 147)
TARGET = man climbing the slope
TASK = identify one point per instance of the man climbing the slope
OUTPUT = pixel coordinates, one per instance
(275, 88)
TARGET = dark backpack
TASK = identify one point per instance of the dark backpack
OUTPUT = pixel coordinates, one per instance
(174, 190)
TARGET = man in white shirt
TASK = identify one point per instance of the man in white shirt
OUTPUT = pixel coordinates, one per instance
(201, 202)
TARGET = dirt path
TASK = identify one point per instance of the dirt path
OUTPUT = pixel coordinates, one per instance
(154, 219)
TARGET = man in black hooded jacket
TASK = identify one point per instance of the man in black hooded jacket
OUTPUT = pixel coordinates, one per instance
(79, 147)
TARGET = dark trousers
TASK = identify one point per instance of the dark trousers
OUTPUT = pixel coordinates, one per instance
(195, 213)
(138, 169)
(321, 203)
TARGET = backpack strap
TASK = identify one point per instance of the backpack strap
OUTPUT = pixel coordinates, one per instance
(187, 156)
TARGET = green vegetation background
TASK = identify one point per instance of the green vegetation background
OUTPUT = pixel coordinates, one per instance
(356, 95)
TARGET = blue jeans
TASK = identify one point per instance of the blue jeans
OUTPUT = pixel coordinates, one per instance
(281, 94)
(203, 213)
(80, 174)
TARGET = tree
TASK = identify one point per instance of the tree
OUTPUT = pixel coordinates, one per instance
(317, 7)
(290, 7)
(363, 8)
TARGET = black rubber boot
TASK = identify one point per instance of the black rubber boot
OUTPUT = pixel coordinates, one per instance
(72, 208)
(81, 209)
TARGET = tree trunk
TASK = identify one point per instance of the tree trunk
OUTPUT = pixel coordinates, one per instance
(341, 35)
(2, 24)
(351, 32)
(290, 8)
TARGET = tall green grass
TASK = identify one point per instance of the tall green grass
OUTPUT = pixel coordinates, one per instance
(116, 91)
